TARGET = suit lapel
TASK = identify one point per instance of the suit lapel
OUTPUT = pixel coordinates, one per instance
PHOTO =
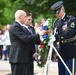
(26, 30)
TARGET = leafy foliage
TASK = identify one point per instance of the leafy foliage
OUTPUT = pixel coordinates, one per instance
(36, 7)
(44, 45)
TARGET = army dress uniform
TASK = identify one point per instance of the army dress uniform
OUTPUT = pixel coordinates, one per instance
(66, 36)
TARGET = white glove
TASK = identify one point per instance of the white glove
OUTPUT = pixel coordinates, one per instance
(52, 39)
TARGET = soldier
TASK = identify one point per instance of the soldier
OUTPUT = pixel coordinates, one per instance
(66, 36)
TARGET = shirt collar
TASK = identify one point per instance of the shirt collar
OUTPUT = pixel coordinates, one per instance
(25, 26)
(19, 22)
(63, 16)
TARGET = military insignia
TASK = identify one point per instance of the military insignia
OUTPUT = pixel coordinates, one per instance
(64, 27)
(62, 37)
(72, 24)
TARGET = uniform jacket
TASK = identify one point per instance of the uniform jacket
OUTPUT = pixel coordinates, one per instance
(66, 29)
(22, 44)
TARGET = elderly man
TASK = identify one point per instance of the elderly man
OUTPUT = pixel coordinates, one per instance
(21, 51)
(66, 36)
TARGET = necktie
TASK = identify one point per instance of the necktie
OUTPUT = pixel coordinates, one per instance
(29, 29)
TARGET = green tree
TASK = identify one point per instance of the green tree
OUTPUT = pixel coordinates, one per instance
(38, 8)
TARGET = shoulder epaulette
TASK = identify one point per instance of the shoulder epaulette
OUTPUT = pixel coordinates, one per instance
(71, 17)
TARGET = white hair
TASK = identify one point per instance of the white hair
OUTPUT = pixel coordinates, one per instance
(19, 13)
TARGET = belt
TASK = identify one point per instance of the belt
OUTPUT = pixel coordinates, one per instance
(69, 40)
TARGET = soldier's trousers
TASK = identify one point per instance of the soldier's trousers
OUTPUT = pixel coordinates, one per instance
(62, 70)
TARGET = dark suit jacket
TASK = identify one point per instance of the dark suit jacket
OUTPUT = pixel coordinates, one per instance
(21, 44)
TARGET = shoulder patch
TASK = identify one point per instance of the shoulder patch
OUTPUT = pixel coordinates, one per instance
(72, 25)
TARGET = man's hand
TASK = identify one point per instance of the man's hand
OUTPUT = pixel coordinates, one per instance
(35, 55)
(42, 32)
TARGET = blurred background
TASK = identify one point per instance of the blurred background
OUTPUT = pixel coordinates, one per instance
(39, 9)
